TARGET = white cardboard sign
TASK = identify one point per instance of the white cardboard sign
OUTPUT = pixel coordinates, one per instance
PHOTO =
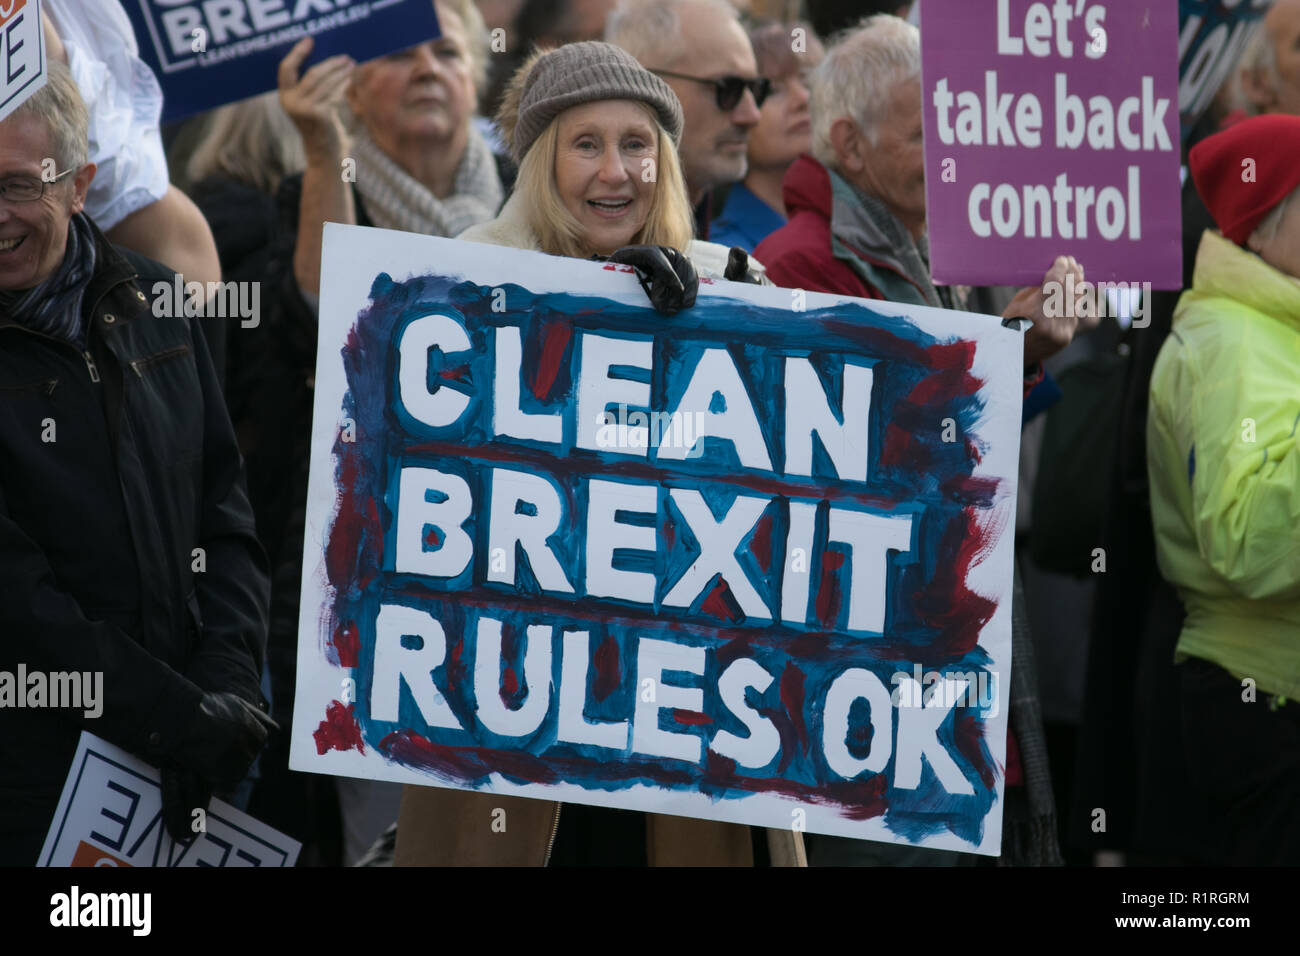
(748, 563)
(110, 814)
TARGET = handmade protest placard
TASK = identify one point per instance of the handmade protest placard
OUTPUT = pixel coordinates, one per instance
(22, 53)
(749, 563)
(1051, 128)
(207, 53)
(110, 814)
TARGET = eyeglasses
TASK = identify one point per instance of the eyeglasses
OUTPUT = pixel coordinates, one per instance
(729, 89)
(27, 188)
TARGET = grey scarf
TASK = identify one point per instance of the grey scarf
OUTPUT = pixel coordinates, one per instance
(867, 223)
(396, 200)
(913, 256)
(53, 307)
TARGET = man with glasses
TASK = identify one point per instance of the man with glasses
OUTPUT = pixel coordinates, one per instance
(702, 52)
(755, 207)
(127, 548)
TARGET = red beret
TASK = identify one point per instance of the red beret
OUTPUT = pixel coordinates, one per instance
(1239, 194)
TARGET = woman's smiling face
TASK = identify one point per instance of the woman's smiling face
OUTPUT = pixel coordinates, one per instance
(606, 159)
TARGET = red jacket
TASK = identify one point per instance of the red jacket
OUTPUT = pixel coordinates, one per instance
(855, 260)
(800, 254)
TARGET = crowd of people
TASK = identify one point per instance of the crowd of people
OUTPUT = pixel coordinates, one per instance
(153, 473)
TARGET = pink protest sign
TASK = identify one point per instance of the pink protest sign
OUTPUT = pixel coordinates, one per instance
(1051, 127)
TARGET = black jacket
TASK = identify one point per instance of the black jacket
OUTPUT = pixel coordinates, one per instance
(116, 464)
(244, 224)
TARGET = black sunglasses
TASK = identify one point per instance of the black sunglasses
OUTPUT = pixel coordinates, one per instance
(729, 89)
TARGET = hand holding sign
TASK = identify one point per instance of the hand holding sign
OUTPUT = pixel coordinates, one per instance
(313, 100)
(1054, 319)
(225, 738)
(667, 276)
(110, 814)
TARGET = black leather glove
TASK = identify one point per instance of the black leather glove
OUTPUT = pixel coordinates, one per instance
(183, 792)
(223, 741)
(738, 266)
(667, 276)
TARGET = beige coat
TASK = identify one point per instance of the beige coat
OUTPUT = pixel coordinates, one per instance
(439, 827)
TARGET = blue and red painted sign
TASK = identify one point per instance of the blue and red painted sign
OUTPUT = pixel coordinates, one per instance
(750, 563)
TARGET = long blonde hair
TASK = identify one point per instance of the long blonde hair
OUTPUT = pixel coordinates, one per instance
(668, 222)
(252, 141)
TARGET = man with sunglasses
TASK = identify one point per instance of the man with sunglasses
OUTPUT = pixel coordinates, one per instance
(127, 548)
(703, 53)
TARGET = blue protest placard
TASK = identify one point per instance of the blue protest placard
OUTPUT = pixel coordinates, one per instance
(206, 53)
(748, 563)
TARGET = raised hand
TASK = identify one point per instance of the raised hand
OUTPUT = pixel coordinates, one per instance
(1053, 307)
(313, 101)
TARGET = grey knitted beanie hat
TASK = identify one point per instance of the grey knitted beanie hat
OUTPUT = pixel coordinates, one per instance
(584, 72)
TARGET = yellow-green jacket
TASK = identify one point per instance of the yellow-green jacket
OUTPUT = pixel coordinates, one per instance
(1223, 456)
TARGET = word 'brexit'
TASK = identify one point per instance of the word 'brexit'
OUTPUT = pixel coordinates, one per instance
(605, 535)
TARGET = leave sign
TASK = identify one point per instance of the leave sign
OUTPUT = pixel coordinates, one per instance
(209, 52)
(1051, 128)
(110, 814)
(748, 563)
(22, 45)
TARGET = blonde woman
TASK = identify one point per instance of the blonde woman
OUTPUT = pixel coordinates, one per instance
(595, 137)
(246, 149)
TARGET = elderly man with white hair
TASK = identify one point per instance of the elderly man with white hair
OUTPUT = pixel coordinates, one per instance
(857, 206)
